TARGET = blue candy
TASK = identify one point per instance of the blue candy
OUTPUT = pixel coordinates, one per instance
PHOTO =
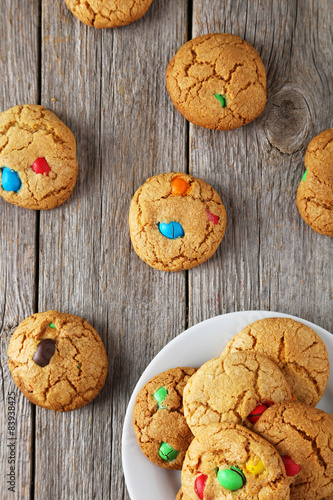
(10, 180)
(172, 230)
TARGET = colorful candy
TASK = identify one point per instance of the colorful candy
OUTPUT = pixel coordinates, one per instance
(40, 166)
(10, 180)
(172, 230)
(160, 396)
(231, 479)
(255, 466)
(179, 186)
(213, 218)
(222, 99)
(304, 176)
(256, 413)
(44, 352)
(291, 468)
(199, 485)
(167, 453)
(52, 325)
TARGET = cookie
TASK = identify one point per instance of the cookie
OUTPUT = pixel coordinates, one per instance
(38, 166)
(158, 418)
(108, 13)
(315, 192)
(179, 495)
(228, 461)
(57, 360)
(303, 436)
(296, 348)
(236, 389)
(217, 81)
(176, 221)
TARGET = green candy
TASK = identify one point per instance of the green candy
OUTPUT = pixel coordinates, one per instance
(222, 99)
(52, 325)
(304, 176)
(167, 453)
(231, 479)
(160, 396)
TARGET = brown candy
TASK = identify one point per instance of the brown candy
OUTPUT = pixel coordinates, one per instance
(44, 352)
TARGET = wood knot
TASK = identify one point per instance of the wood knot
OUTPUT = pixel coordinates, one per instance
(287, 123)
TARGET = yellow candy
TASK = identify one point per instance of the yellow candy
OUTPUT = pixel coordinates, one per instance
(255, 466)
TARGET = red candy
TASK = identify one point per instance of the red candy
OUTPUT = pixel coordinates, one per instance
(212, 217)
(256, 414)
(40, 166)
(199, 485)
(291, 468)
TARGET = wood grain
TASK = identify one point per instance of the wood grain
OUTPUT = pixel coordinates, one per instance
(269, 259)
(18, 85)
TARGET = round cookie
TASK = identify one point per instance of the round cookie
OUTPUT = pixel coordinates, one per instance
(217, 81)
(176, 221)
(228, 461)
(296, 348)
(158, 418)
(108, 13)
(38, 166)
(305, 435)
(231, 389)
(57, 360)
(315, 192)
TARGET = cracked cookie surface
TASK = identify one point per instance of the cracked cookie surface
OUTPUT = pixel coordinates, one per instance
(160, 418)
(315, 192)
(221, 446)
(229, 389)
(75, 373)
(108, 13)
(217, 81)
(29, 133)
(296, 348)
(198, 209)
(305, 434)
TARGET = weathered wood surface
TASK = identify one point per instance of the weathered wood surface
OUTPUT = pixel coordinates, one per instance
(108, 87)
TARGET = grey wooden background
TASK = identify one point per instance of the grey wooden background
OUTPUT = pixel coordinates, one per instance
(108, 87)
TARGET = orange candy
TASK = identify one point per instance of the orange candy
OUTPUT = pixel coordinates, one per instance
(179, 186)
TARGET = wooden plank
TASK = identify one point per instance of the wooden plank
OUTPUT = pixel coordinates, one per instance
(18, 85)
(269, 259)
(109, 88)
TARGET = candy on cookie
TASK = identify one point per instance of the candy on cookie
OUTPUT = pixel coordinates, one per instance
(158, 418)
(38, 165)
(217, 81)
(315, 191)
(57, 360)
(176, 221)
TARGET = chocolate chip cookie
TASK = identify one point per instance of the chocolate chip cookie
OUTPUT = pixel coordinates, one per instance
(158, 418)
(38, 166)
(176, 221)
(217, 81)
(57, 360)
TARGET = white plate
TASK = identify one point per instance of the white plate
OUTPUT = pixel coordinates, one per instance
(195, 346)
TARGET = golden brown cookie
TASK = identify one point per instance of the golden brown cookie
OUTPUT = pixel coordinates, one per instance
(158, 418)
(231, 390)
(217, 81)
(179, 495)
(228, 461)
(303, 436)
(108, 13)
(38, 166)
(296, 348)
(315, 192)
(176, 221)
(57, 360)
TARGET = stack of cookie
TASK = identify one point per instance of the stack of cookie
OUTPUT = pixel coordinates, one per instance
(245, 421)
